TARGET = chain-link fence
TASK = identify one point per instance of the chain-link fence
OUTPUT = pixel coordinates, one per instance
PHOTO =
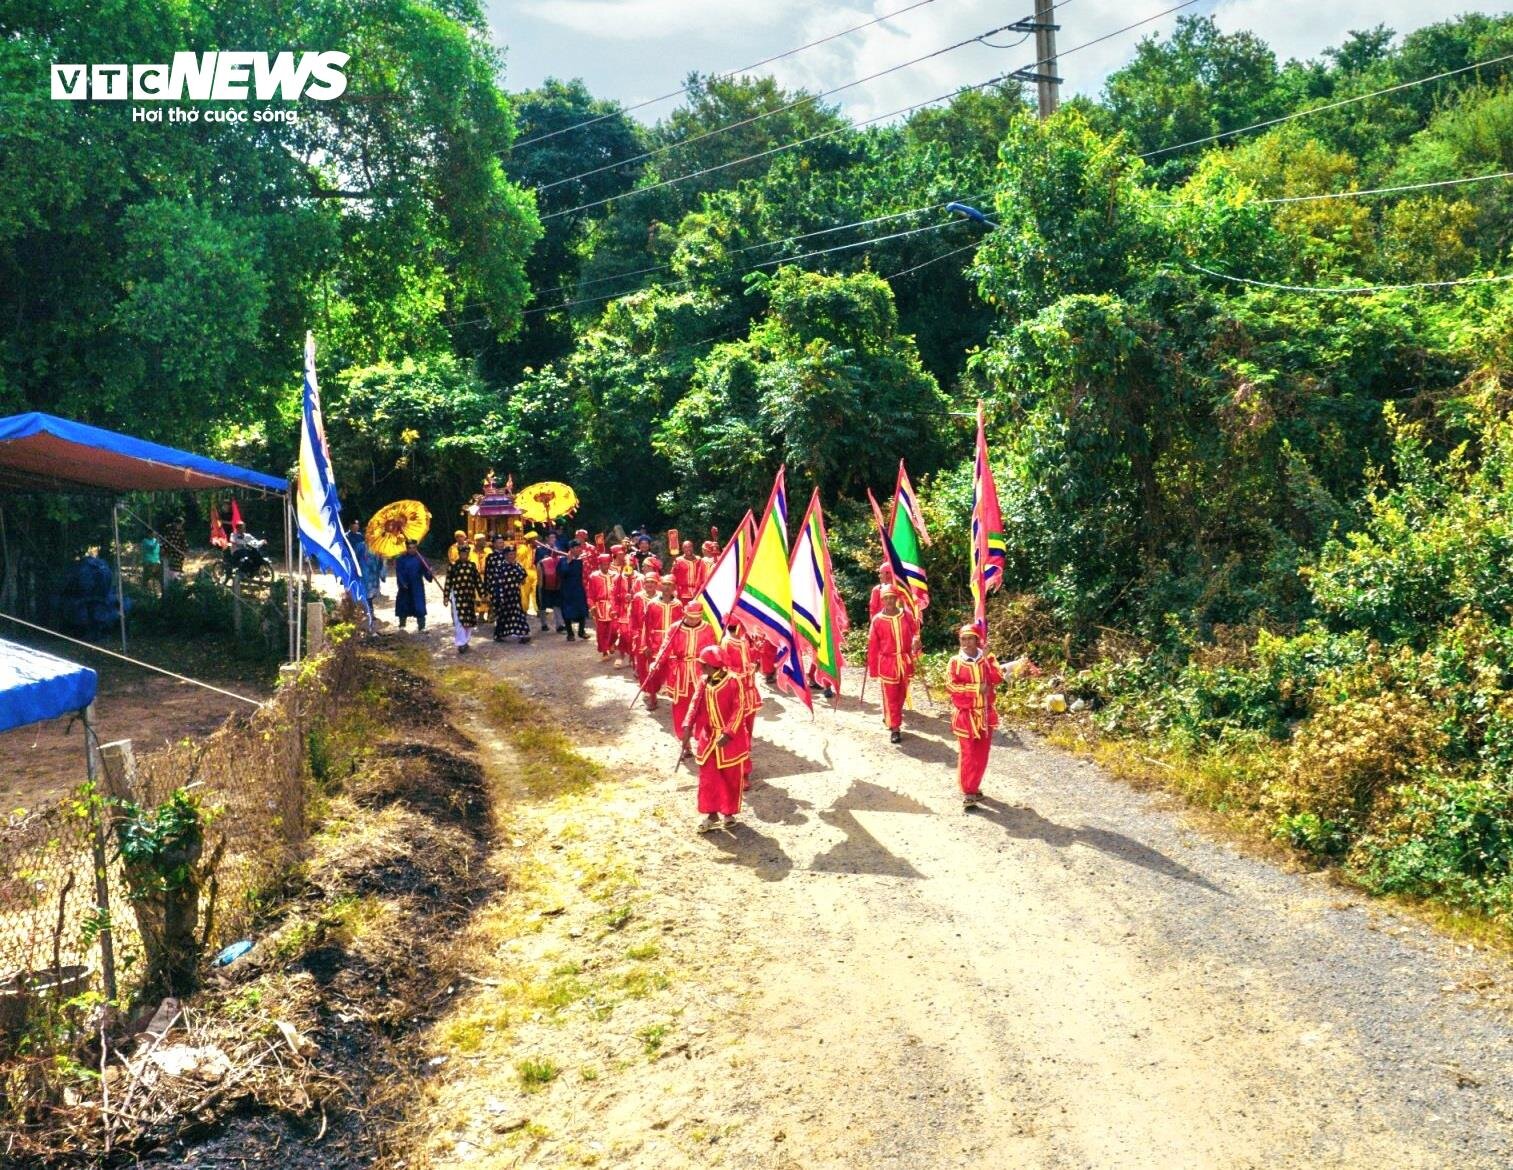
(252, 777)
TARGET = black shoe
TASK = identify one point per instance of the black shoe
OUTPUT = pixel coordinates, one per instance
(829, 692)
(525, 639)
(772, 679)
(895, 736)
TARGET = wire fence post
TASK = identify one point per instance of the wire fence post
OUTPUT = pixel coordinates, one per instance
(101, 862)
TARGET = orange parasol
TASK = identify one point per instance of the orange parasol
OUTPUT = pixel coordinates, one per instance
(546, 501)
(395, 523)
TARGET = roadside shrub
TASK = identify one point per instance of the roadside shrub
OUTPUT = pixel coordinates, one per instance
(1352, 751)
(1446, 836)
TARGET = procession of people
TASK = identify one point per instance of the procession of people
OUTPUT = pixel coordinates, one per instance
(698, 630)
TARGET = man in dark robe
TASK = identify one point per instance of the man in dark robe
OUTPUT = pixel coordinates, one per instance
(410, 576)
(463, 588)
(502, 577)
(571, 582)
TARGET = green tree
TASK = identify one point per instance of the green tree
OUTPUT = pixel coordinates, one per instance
(824, 382)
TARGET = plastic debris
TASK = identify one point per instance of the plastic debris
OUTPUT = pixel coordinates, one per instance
(232, 953)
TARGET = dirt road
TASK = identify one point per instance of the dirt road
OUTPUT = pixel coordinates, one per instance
(1069, 976)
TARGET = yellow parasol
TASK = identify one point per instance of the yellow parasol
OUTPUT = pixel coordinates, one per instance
(395, 523)
(546, 501)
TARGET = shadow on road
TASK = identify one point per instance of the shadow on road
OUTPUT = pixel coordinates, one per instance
(774, 805)
(743, 845)
(1025, 823)
(861, 852)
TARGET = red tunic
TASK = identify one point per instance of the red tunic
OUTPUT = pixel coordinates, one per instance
(742, 664)
(637, 618)
(974, 714)
(890, 646)
(600, 597)
(688, 577)
(657, 618)
(678, 670)
(720, 711)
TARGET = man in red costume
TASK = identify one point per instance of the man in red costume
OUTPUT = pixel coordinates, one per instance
(884, 579)
(970, 679)
(644, 596)
(767, 658)
(622, 585)
(711, 551)
(740, 662)
(688, 571)
(677, 667)
(892, 649)
(659, 617)
(601, 603)
(717, 726)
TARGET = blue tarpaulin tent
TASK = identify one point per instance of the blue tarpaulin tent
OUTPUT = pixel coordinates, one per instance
(42, 451)
(35, 686)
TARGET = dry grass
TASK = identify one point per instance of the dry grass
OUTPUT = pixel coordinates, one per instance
(565, 975)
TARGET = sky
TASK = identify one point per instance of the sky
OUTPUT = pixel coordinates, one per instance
(633, 50)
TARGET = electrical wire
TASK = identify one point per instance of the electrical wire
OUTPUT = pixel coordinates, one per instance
(806, 99)
(10, 617)
(1390, 190)
(749, 247)
(1351, 289)
(858, 125)
(621, 110)
(1330, 106)
(674, 284)
(934, 227)
(936, 260)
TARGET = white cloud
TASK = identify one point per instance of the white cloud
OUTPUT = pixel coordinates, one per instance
(1303, 30)
(642, 20)
(631, 49)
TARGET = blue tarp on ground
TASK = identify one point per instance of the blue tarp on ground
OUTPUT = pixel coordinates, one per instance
(35, 686)
(40, 452)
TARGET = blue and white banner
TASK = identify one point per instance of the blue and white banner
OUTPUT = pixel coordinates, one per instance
(317, 510)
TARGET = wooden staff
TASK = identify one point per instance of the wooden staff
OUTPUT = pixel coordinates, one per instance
(656, 662)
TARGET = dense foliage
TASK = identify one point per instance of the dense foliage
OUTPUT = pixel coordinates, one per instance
(1257, 523)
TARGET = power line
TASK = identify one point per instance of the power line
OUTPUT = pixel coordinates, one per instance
(754, 267)
(1329, 106)
(749, 268)
(619, 111)
(806, 99)
(857, 125)
(937, 259)
(749, 248)
(1390, 190)
(1349, 289)
(184, 678)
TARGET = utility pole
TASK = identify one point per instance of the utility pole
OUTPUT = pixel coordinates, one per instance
(1047, 84)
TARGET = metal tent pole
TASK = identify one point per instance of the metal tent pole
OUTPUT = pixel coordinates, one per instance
(115, 525)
